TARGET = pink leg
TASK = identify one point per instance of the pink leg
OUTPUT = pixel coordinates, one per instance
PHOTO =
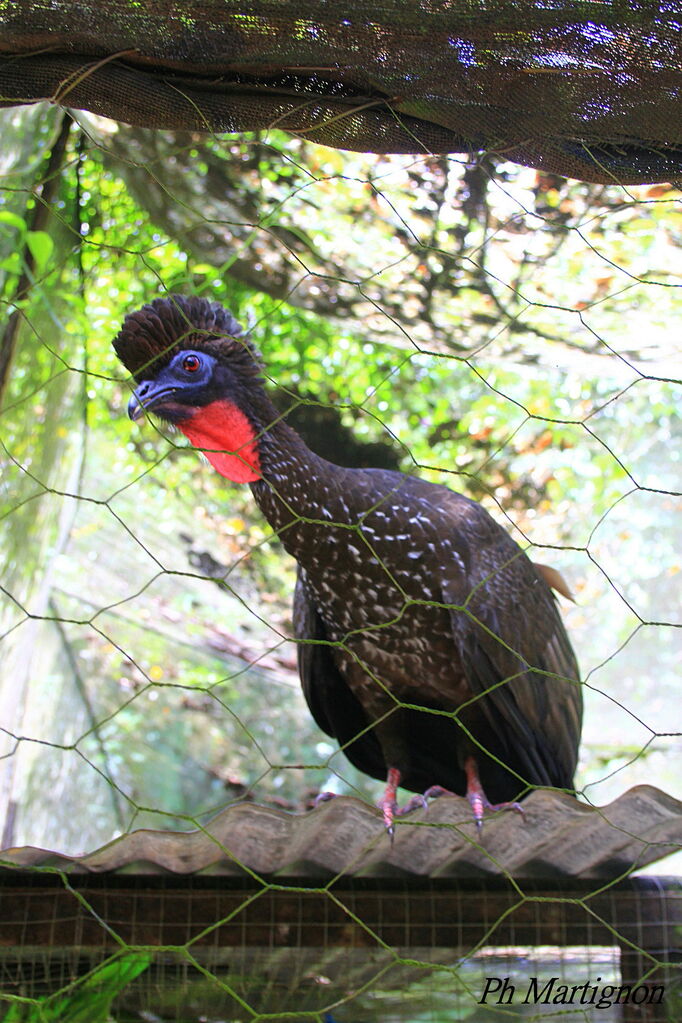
(388, 803)
(478, 801)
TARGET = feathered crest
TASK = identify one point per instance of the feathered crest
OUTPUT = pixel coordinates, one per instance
(151, 336)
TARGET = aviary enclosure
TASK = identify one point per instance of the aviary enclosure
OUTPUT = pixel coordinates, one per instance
(453, 234)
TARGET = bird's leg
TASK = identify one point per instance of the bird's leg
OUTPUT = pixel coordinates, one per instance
(478, 801)
(388, 804)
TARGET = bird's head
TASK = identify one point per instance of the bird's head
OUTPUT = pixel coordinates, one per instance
(195, 368)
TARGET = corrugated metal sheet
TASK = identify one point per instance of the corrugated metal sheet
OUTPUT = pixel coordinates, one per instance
(557, 837)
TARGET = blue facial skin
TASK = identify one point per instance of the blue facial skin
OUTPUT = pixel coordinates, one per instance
(183, 384)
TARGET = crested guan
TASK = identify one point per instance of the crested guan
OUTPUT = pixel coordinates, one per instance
(429, 645)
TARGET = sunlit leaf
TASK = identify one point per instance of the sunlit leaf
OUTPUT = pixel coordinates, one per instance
(12, 219)
(41, 246)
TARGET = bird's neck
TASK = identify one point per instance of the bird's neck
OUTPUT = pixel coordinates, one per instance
(228, 439)
(296, 486)
(289, 481)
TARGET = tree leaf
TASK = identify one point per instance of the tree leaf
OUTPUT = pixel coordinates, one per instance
(7, 217)
(40, 246)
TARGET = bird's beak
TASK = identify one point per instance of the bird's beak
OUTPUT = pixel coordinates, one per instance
(135, 407)
(149, 396)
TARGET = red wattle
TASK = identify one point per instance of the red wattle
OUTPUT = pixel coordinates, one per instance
(227, 438)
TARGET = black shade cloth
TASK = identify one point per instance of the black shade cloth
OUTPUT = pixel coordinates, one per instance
(584, 88)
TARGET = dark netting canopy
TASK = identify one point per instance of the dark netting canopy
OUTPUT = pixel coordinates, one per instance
(584, 88)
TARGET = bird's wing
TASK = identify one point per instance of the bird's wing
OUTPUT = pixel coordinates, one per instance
(331, 702)
(516, 655)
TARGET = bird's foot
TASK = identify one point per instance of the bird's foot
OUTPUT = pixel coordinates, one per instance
(476, 797)
(480, 805)
(421, 800)
(388, 804)
(478, 801)
(323, 797)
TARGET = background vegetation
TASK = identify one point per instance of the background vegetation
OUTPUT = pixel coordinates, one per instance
(508, 333)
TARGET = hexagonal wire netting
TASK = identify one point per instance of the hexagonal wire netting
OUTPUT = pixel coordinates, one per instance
(494, 328)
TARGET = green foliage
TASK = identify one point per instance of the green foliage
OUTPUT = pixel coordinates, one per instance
(504, 332)
(88, 1000)
(41, 246)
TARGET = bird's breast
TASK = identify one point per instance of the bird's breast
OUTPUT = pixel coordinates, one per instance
(386, 617)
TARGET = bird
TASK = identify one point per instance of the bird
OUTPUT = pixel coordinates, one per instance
(429, 645)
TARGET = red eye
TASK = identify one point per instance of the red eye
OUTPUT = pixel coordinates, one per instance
(191, 363)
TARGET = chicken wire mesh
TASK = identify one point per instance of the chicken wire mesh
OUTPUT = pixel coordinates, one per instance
(591, 92)
(429, 951)
(501, 330)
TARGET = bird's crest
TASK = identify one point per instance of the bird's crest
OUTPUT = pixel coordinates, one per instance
(151, 336)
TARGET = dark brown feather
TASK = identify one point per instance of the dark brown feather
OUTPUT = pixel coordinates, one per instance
(151, 336)
(426, 635)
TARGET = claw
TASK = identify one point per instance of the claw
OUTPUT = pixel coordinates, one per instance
(414, 803)
(435, 791)
(482, 805)
(421, 800)
(388, 804)
(323, 797)
(478, 801)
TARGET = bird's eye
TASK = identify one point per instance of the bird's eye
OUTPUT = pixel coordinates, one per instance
(191, 363)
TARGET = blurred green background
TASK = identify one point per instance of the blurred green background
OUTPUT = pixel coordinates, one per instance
(503, 331)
